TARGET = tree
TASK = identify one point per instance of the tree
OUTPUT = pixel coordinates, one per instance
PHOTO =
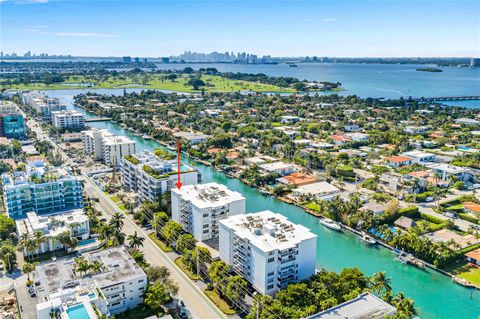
(156, 296)
(81, 265)
(171, 231)
(196, 83)
(135, 241)
(117, 221)
(218, 273)
(160, 274)
(7, 226)
(172, 77)
(8, 255)
(118, 238)
(299, 86)
(185, 243)
(95, 266)
(380, 283)
(236, 289)
(27, 268)
(67, 240)
(105, 232)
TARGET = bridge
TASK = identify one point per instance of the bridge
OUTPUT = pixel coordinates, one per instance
(449, 98)
(97, 119)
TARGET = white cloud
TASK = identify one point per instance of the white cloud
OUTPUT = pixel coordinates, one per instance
(330, 20)
(24, 1)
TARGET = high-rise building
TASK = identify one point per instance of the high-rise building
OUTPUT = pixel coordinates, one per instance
(268, 250)
(12, 126)
(199, 208)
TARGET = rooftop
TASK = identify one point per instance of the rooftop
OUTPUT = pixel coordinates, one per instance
(472, 206)
(398, 159)
(118, 266)
(50, 225)
(267, 230)
(317, 188)
(418, 154)
(208, 195)
(365, 306)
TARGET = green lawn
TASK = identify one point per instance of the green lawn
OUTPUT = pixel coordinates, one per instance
(115, 199)
(313, 206)
(219, 302)
(179, 262)
(463, 270)
(155, 81)
(160, 243)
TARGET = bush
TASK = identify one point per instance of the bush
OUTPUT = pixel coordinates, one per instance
(410, 211)
(450, 203)
(459, 185)
(432, 219)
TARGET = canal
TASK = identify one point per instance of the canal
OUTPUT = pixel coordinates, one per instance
(436, 296)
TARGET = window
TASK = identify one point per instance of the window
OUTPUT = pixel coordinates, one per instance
(141, 280)
(206, 231)
(270, 280)
(141, 288)
(205, 226)
(270, 260)
(205, 215)
(271, 274)
(269, 287)
(115, 303)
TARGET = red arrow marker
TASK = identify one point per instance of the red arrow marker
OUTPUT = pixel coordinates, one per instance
(179, 183)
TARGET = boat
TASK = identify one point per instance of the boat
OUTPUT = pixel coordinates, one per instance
(330, 224)
(368, 240)
(292, 65)
(264, 191)
(146, 137)
(411, 260)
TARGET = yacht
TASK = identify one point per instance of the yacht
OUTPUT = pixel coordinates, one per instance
(330, 224)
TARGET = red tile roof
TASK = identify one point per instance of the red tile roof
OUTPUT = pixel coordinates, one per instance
(474, 207)
(399, 159)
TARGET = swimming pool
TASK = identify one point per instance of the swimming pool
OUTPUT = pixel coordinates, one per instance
(86, 242)
(77, 311)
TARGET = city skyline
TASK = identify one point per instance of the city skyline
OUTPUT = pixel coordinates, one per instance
(154, 29)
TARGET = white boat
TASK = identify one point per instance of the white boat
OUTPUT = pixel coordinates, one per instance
(146, 137)
(368, 240)
(330, 224)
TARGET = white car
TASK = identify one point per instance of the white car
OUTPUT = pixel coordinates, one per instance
(429, 199)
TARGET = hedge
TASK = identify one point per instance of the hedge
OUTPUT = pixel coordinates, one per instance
(410, 211)
(468, 218)
(449, 203)
(432, 219)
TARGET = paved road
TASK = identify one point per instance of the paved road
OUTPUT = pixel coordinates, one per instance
(197, 303)
(26, 304)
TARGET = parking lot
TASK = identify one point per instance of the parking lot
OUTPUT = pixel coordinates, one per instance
(26, 303)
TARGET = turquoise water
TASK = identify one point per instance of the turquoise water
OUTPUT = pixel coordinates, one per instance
(470, 104)
(436, 295)
(77, 311)
(86, 242)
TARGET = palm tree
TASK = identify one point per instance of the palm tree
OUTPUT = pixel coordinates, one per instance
(117, 220)
(437, 192)
(28, 268)
(105, 233)
(406, 307)
(39, 239)
(379, 283)
(81, 265)
(135, 241)
(118, 238)
(95, 266)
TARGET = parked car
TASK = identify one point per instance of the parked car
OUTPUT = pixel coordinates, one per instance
(429, 199)
(450, 215)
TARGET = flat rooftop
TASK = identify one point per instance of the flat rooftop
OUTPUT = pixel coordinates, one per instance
(208, 195)
(365, 306)
(267, 230)
(117, 266)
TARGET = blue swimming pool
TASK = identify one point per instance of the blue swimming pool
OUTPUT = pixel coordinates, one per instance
(464, 148)
(77, 311)
(86, 242)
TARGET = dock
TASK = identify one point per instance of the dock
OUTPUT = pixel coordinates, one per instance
(98, 119)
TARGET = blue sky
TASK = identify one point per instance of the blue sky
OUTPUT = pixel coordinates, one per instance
(280, 28)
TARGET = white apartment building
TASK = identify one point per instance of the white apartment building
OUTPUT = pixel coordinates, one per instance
(117, 287)
(268, 250)
(8, 107)
(420, 157)
(75, 222)
(149, 176)
(105, 146)
(199, 208)
(67, 119)
(42, 104)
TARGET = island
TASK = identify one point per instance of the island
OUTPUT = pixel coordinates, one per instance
(429, 70)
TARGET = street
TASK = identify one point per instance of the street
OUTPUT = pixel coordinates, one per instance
(197, 303)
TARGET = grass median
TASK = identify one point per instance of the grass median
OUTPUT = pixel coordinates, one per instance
(160, 243)
(181, 264)
(219, 302)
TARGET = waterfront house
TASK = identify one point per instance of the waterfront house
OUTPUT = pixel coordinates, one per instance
(447, 235)
(280, 168)
(474, 256)
(296, 179)
(405, 222)
(398, 161)
(366, 305)
(320, 190)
